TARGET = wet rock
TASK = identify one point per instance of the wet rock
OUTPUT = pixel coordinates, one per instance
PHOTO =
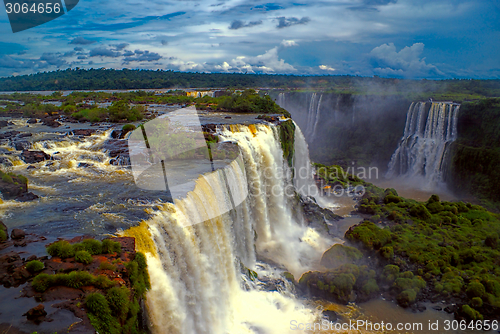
(30, 167)
(36, 314)
(451, 309)
(24, 135)
(437, 308)
(84, 132)
(51, 121)
(9, 134)
(34, 156)
(17, 234)
(26, 197)
(227, 117)
(117, 149)
(83, 165)
(22, 145)
(6, 162)
(11, 190)
(331, 315)
(4, 124)
(116, 134)
(211, 128)
(32, 121)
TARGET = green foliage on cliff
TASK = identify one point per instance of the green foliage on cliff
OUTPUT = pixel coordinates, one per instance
(287, 139)
(451, 248)
(475, 162)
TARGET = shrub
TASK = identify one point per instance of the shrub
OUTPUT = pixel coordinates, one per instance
(470, 313)
(83, 257)
(119, 299)
(77, 279)
(127, 128)
(476, 302)
(475, 289)
(42, 282)
(110, 246)
(94, 247)
(407, 297)
(3, 235)
(392, 199)
(107, 266)
(34, 266)
(103, 282)
(97, 303)
(433, 199)
(420, 211)
(62, 249)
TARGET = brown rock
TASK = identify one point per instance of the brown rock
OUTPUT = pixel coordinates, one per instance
(36, 314)
(61, 293)
(84, 132)
(17, 234)
(34, 156)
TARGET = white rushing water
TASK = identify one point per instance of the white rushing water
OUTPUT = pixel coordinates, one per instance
(196, 269)
(313, 115)
(430, 129)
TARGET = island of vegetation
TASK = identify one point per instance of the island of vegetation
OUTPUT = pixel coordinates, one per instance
(415, 252)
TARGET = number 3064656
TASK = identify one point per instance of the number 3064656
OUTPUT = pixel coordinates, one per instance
(40, 8)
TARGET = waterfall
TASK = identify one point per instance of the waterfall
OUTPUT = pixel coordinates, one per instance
(198, 284)
(281, 100)
(429, 130)
(313, 115)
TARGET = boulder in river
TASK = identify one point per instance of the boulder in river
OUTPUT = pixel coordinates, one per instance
(36, 314)
(31, 157)
(26, 197)
(17, 233)
(32, 121)
(51, 121)
(22, 145)
(84, 132)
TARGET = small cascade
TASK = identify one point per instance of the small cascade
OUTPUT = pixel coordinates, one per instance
(429, 130)
(313, 115)
(198, 270)
(281, 101)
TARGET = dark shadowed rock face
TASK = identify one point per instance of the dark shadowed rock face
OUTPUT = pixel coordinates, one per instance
(31, 157)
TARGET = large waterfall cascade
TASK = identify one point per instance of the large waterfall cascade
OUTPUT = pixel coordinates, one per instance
(196, 269)
(430, 129)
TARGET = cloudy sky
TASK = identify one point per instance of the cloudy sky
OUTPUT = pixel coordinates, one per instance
(391, 38)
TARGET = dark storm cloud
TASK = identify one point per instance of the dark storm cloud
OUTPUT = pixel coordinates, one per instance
(81, 41)
(119, 47)
(284, 22)
(238, 24)
(142, 56)
(103, 52)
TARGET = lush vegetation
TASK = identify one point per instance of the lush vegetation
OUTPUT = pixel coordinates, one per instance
(248, 101)
(287, 139)
(95, 79)
(475, 164)
(452, 246)
(64, 249)
(112, 308)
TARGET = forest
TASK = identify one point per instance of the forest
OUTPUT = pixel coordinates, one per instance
(99, 79)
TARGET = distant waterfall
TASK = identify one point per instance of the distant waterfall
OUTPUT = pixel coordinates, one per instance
(313, 115)
(281, 100)
(196, 272)
(429, 130)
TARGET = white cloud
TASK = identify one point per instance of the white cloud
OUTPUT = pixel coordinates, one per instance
(326, 68)
(288, 43)
(405, 63)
